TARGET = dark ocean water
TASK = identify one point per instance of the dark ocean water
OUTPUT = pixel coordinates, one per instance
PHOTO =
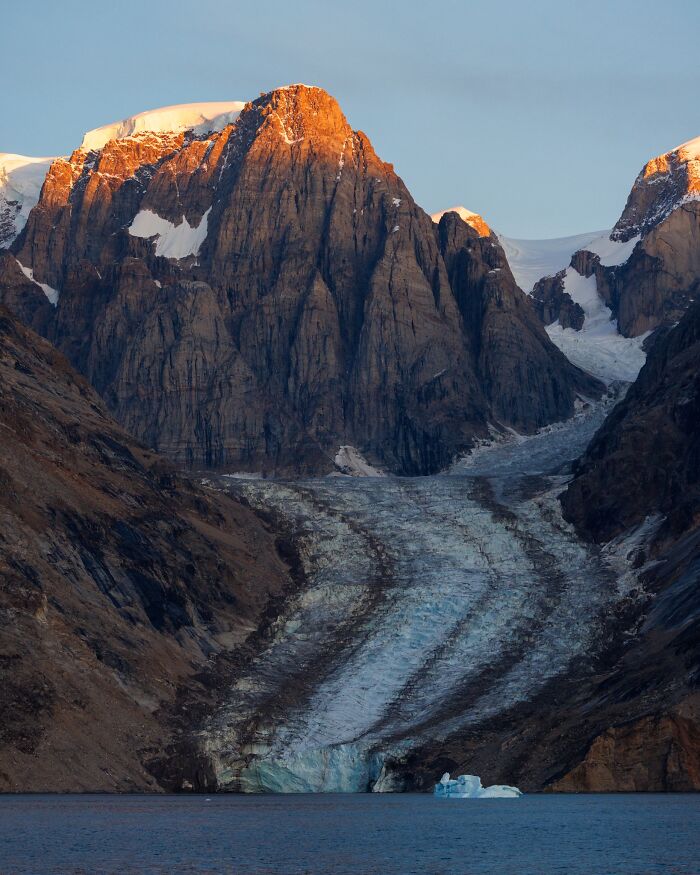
(333, 834)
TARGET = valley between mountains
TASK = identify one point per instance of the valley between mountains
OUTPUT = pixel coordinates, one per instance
(304, 490)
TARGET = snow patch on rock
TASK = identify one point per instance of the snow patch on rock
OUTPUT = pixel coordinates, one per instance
(474, 220)
(172, 241)
(531, 260)
(202, 118)
(51, 293)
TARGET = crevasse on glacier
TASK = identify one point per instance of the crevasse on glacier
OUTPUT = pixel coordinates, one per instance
(429, 604)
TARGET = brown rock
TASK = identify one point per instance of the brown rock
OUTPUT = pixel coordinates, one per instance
(118, 580)
(553, 304)
(655, 754)
(656, 285)
(22, 296)
(645, 459)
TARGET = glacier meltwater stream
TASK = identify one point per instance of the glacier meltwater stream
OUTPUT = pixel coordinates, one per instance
(428, 604)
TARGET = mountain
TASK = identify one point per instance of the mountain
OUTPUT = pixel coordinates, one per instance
(639, 479)
(643, 275)
(258, 296)
(253, 289)
(645, 460)
(119, 579)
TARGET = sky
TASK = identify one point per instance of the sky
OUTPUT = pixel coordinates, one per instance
(538, 114)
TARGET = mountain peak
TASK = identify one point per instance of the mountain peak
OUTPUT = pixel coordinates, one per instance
(664, 183)
(474, 220)
(302, 111)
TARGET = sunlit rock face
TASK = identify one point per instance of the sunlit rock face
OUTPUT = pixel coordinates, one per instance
(257, 295)
(666, 182)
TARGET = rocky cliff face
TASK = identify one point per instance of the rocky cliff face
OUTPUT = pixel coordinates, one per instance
(641, 475)
(118, 581)
(664, 183)
(658, 282)
(258, 296)
(645, 460)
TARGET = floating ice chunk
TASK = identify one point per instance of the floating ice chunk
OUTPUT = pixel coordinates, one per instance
(499, 791)
(469, 787)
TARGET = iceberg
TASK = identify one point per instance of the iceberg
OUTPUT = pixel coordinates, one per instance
(469, 787)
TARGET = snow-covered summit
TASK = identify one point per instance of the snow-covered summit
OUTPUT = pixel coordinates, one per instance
(472, 219)
(200, 117)
(21, 179)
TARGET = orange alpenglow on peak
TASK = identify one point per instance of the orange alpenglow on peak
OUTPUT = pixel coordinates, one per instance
(666, 182)
(685, 157)
(474, 220)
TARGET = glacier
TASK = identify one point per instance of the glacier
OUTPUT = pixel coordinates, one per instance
(530, 260)
(427, 606)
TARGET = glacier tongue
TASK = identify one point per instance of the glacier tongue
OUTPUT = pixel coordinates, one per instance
(429, 605)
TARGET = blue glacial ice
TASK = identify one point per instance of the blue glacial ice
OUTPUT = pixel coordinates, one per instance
(430, 605)
(469, 787)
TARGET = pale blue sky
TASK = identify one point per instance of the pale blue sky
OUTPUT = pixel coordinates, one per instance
(537, 114)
